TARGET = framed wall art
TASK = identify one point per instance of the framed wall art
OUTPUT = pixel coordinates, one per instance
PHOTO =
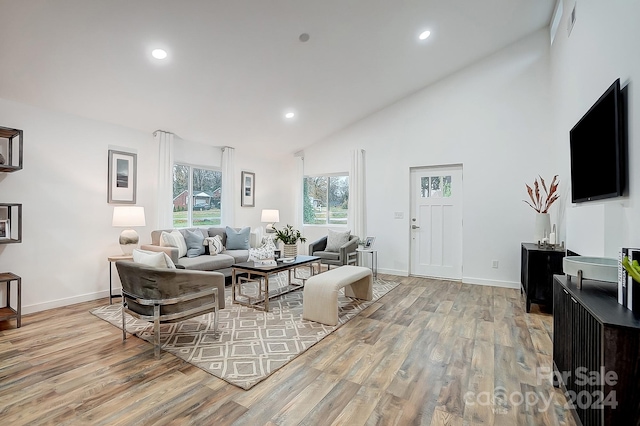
(121, 188)
(248, 196)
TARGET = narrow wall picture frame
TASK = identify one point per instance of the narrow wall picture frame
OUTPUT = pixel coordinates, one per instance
(248, 188)
(122, 177)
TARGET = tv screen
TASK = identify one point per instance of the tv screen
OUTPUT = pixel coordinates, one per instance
(597, 141)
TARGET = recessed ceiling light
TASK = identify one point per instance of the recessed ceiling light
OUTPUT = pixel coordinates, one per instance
(289, 115)
(304, 37)
(159, 53)
(424, 35)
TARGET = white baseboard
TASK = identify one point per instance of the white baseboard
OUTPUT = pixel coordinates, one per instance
(58, 303)
(465, 280)
(491, 283)
(397, 272)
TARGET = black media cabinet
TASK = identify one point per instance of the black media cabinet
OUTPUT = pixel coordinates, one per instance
(593, 337)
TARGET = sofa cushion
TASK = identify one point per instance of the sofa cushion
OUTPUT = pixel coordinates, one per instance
(194, 240)
(221, 232)
(336, 239)
(237, 240)
(207, 263)
(239, 256)
(328, 255)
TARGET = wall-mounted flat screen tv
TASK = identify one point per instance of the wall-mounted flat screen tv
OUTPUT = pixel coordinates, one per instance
(598, 149)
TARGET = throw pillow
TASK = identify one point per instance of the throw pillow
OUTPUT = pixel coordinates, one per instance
(170, 263)
(174, 239)
(167, 240)
(153, 259)
(238, 240)
(215, 244)
(263, 252)
(182, 244)
(336, 239)
(194, 243)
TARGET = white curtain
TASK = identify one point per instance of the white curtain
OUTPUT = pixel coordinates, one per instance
(165, 179)
(297, 198)
(227, 198)
(357, 211)
(298, 192)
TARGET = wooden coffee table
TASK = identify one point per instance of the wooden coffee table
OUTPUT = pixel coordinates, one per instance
(260, 276)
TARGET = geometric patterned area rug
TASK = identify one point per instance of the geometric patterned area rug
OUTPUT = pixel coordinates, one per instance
(251, 344)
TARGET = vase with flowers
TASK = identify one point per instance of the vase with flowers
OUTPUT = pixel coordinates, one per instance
(540, 203)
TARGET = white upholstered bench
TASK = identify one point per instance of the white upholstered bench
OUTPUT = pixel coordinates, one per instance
(320, 295)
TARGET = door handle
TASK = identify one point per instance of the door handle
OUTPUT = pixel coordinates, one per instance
(414, 227)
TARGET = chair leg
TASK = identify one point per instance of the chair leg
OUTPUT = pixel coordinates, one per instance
(215, 321)
(156, 330)
(215, 313)
(124, 332)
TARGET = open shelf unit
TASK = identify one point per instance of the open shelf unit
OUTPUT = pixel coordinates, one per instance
(11, 220)
(7, 312)
(12, 212)
(11, 149)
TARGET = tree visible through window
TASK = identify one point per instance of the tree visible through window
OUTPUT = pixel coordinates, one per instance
(196, 196)
(435, 187)
(326, 199)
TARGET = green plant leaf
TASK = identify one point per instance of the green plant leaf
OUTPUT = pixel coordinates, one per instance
(633, 271)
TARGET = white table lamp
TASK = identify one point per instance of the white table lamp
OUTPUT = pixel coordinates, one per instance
(128, 216)
(270, 217)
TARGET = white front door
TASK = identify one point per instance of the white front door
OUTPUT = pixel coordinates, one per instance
(436, 222)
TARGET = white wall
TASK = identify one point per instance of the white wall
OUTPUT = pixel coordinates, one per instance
(494, 118)
(602, 47)
(273, 188)
(67, 232)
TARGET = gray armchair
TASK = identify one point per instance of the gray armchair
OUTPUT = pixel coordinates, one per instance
(168, 295)
(347, 254)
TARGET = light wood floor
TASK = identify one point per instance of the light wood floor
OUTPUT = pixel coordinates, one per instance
(430, 352)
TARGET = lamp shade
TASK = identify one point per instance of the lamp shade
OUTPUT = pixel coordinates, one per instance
(270, 216)
(127, 216)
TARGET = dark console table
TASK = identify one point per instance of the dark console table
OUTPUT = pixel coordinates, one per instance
(538, 264)
(596, 352)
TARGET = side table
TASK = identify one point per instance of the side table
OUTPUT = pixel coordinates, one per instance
(112, 259)
(7, 312)
(537, 267)
(374, 259)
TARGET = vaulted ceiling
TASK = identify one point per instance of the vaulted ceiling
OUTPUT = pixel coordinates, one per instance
(234, 67)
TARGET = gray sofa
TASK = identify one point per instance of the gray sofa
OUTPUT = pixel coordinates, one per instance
(221, 262)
